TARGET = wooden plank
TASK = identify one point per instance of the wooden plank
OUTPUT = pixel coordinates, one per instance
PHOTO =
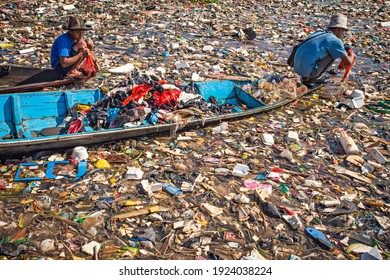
(36, 86)
(344, 171)
(19, 75)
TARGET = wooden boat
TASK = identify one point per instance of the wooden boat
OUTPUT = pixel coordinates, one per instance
(15, 79)
(26, 113)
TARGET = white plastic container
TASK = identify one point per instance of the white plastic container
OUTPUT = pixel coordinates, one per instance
(357, 98)
(240, 170)
(134, 174)
(268, 139)
(80, 153)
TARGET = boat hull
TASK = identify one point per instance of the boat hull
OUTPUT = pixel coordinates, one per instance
(18, 79)
(34, 111)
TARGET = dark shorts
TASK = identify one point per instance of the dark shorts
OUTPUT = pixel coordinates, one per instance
(65, 71)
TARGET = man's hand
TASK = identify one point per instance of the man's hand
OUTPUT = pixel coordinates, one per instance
(352, 55)
(84, 52)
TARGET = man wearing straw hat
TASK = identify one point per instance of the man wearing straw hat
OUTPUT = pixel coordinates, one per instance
(70, 49)
(318, 52)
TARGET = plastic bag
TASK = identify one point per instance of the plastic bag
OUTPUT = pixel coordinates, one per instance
(88, 67)
(166, 96)
(137, 93)
(75, 126)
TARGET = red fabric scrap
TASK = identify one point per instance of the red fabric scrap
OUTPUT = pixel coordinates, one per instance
(137, 93)
(167, 96)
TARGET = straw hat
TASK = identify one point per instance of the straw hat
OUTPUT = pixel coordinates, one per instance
(74, 23)
(338, 20)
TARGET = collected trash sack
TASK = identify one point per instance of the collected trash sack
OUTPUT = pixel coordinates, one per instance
(88, 67)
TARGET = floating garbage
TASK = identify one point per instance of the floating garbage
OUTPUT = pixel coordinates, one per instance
(307, 181)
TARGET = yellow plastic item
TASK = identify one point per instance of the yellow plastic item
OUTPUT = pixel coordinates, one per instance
(102, 163)
(5, 46)
(26, 201)
(132, 202)
(104, 89)
(81, 107)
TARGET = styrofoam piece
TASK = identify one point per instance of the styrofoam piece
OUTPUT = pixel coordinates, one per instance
(208, 48)
(196, 77)
(292, 136)
(88, 248)
(134, 173)
(122, 69)
(151, 187)
(268, 139)
(240, 170)
(29, 50)
(182, 65)
(216, 68)
(358, 102)
(175, 46)
(357, 93)
(69, 7)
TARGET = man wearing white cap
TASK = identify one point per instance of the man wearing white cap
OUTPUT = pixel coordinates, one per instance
(318, 52)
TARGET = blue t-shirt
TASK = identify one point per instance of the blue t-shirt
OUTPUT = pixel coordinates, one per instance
(62, 46)
(310, 52)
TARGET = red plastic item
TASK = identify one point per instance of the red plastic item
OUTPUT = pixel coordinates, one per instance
(88, 66)
(75, 126)
(277, 170)
(137, 93)
(348, 68)
(167, 96)
(288, 211)
(308, 30)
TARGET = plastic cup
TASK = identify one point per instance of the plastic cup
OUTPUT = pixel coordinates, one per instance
(80, 152)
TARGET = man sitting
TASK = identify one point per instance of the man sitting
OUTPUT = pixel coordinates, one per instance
(70, 49)
(315, 56)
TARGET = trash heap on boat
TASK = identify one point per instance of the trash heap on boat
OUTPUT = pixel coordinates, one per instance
(143, 98)
(147, 100)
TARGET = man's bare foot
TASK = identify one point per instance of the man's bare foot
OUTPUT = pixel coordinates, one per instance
(76, 74)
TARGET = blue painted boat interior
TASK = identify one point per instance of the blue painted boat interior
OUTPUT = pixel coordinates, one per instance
(26, 112)
(227, 92)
